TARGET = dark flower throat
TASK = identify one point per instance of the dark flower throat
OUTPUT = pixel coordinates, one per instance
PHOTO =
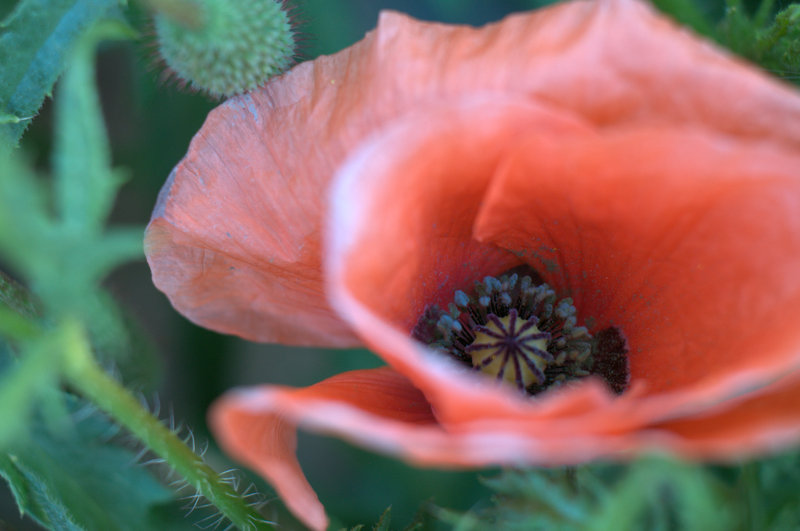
(515, 329)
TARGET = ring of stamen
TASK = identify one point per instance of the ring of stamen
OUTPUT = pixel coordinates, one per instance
(519, 333)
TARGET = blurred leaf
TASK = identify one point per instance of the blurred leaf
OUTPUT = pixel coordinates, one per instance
(34, 374)
(72, 478)
(84, 185)
(769, 491)
(658, 491)
(773, 43)
(767, 38)
(778, 47)
(24, 223)
(53, 236)
(385, 521)
(35, 42)
(11, 119)
(688, 13)
(15, 298)
(653, 493)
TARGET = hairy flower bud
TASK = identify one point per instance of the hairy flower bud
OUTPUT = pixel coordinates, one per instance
(224, 47)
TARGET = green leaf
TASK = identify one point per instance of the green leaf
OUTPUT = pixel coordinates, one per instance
(48, 246)
(25, 227)
(548, 493)
(85, 186)
(35, 43)
(766, 38)
(117, 246)
(688, 13)
(72, 478)
(15, 297)
(29, 378)
(769, 39)
(385, 521)
(658, 490)
(778, 47)
(652, 493)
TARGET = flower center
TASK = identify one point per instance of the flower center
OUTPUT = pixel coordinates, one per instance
(516, 330)
(512, 349)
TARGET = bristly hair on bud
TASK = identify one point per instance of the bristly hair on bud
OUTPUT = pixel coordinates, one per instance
(224, 47)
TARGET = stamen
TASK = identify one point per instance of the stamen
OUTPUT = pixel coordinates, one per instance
(514, 329)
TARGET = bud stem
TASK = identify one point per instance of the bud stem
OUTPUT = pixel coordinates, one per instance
(185, 13)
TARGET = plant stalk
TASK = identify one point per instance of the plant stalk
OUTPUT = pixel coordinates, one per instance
(86, 376)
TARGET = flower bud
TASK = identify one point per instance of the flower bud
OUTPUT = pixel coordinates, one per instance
(224, 47)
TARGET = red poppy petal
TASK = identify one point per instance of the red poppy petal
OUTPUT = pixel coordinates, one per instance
(576, 56)
(580, 58)
(226, 292)
(251, 426)
(401, 238)
(381, 410)
(767, 422)
(235, 237)
(686, 240)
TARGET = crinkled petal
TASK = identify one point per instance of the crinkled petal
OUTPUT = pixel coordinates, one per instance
(613, 62)
(234, 241)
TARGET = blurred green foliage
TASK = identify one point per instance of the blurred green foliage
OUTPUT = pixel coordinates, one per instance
(657, 493)
(71, 478)
(36, 38)
(63, 472)
(761, 33)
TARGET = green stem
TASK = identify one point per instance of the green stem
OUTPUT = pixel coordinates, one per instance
(186, 13)
(94, 383)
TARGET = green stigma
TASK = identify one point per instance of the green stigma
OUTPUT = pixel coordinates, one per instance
(224, 47)
(517, 331)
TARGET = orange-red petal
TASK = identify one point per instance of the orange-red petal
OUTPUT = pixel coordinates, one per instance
(661, 173)
(402, 237)
(405, 199)
(251, 426)
(766, 421)
(686, 240)
(235, 241)
(379, 409)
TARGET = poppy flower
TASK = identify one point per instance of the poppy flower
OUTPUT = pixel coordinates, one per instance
(648, 178)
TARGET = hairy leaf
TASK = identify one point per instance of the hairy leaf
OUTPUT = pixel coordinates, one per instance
(70, 477)
(35, 42)
(85, 185)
